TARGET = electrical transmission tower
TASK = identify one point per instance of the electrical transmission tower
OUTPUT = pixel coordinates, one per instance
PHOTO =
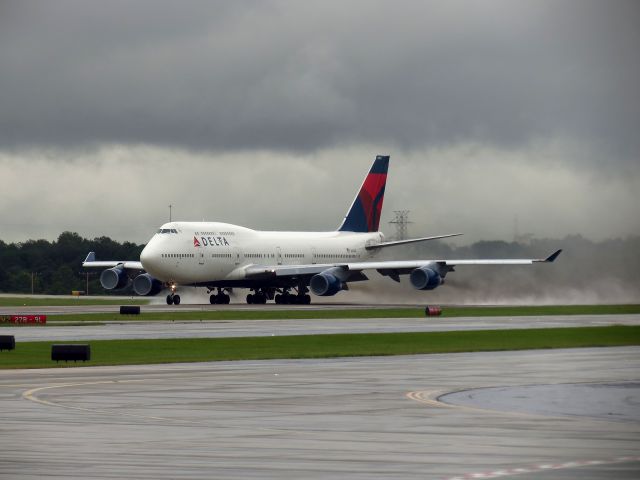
(401, 221)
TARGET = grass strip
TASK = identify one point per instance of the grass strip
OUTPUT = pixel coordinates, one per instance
(137, 352)
(271, 312)
(66, 301)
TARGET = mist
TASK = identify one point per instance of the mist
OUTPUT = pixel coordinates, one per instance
(586, 272)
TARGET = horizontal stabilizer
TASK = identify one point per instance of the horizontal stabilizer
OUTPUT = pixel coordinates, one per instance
(410, 240)
(91, 262)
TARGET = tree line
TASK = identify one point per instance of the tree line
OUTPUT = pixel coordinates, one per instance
(607, 270)
(56, 267)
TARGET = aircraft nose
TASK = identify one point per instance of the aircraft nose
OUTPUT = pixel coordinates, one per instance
(150, 261)
(146, 256)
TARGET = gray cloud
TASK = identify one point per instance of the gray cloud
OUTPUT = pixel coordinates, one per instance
(301, 76)
(124, 191)
(268, 113)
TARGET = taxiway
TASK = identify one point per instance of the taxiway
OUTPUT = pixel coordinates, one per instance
(259, 328)
(380, 417)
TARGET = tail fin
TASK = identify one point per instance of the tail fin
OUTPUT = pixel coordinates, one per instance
(364, 214)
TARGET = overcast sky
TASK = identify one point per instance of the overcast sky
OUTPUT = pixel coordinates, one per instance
(496, 114)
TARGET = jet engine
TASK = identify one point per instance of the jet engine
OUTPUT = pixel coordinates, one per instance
(115, 277)
(144, 284)
(425, 278)
(325, 284)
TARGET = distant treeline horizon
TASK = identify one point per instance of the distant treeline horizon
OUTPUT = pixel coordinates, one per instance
(587, 271)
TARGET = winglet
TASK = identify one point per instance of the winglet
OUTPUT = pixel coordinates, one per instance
(90, 258)
(553, 256)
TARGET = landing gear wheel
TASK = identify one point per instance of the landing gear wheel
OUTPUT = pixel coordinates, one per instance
(249, 299)
(306, 300)
(176, 299)
(226, 299)
(278, 299)
(213, 299)
(169, 299)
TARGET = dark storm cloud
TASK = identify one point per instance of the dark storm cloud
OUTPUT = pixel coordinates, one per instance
(303, 76)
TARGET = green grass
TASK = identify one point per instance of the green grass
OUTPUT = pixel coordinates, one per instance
(65, 301)
(134, 352)
(271, 312)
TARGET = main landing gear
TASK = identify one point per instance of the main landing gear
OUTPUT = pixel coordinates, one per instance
(257, 298)
(287, 298)
(284, 297)
(220, 298)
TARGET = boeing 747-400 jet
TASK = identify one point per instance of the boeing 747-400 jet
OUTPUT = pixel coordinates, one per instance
(280, 266)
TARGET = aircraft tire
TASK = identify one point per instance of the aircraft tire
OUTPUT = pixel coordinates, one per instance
(176, 299)
(278, 299)
(307, 299)
(226, 299)
(250, 299)
(169, 299)
(213, 299)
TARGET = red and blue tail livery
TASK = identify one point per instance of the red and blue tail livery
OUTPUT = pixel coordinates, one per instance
(364, 214)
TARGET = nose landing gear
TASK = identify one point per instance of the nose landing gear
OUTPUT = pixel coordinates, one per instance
(173, 298)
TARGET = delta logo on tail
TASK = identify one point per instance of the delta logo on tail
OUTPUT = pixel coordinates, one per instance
(364, 215)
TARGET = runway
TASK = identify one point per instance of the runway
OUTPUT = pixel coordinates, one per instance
(261, 328)
(359, 418)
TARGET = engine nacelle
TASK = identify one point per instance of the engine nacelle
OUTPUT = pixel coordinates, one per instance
(425, 278)
(325, 284)
(144, 284)
(114, 277)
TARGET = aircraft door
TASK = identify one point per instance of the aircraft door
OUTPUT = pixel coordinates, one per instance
(279, 255)
(201, 256)
(236, 255)
(313, 255)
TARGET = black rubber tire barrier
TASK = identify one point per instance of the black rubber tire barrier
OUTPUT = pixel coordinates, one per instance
(75, 352)
(129, 310)
(7, 342)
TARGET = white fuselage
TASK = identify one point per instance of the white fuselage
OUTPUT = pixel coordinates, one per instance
(198, 252)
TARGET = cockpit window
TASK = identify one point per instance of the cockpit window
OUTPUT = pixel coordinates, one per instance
(167, 230)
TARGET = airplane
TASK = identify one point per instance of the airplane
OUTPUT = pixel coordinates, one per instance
(280, 266)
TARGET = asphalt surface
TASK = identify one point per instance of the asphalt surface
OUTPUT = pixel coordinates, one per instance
(606, 401)
(260, 328)
(358, 418)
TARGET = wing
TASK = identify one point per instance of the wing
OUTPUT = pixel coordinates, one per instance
(90, 262)
(350, 272)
